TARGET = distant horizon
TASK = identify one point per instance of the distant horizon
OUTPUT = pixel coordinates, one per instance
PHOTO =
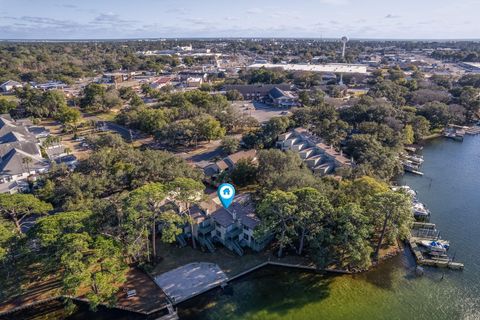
(199, 38)
(145, 19)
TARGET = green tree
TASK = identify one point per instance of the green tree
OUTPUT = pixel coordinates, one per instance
(208, 127)
(230, 144)
(312, 206)
(186, 192)
(94, 263)
(244, 173)
(437, 113)
(392, 214)
(67, 115)
(408, 134)
(470, 99)
(144, 205)
(233, 95)
(352, 237)
(277, 212)
(17, 207)
(7, 105)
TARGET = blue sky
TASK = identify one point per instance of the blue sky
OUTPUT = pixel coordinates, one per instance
(406, 19)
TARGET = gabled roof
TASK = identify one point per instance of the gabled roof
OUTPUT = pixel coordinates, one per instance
(232, 159)
(242, 208)
(276, 93)
(7, 124)
(29, 147)
(12, 163)
(12, 137)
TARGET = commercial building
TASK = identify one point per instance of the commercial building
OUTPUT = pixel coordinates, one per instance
(330, 67)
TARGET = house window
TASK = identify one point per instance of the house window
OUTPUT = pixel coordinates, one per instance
(219, 234)
(245, 236)
(246, 228)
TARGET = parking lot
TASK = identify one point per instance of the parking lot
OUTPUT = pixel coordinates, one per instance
(260, 111)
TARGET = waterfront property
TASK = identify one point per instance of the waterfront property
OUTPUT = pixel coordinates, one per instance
(233, 227)
(319, 157)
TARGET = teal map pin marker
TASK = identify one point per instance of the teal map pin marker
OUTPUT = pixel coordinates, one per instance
(225, 193)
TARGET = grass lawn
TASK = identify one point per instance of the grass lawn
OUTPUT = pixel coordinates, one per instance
(232, 264)
(107, 116)
(9, 98)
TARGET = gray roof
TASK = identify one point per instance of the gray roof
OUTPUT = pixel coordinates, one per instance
(12, 163)
(16, 144)
(276, 93)
(26, 146)
(211, 170)
(7, 125)
(55, 151)
(257, 89)
(245, 213)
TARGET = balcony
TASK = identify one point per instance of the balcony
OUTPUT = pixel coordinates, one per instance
(234, 232)
(204, 229)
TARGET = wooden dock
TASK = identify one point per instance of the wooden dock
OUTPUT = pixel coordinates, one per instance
(424, 260)
(473, 130)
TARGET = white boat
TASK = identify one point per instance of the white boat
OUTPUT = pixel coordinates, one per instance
(417, 159)
(406, 189)
(419, 210)
(438, 246)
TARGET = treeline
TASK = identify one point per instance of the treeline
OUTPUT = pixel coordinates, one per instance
(93, 223)
(373, 130)
(70, 61)
(343, 224)
(186, 118)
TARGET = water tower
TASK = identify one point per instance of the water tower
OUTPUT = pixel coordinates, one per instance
(344, 41)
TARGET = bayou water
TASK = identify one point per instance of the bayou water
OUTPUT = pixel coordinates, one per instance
(450, 188)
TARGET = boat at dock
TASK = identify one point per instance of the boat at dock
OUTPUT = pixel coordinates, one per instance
(454, 132)
(435, 246)
(412, 168)
(412, 193)
(420, 210)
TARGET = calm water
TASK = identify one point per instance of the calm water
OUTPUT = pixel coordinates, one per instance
(451, 189)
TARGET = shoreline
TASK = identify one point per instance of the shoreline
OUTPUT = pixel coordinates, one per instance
(306, 268)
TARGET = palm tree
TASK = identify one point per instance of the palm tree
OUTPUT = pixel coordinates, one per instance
(26, 161)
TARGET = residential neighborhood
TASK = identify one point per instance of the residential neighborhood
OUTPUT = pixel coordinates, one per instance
(310, 160)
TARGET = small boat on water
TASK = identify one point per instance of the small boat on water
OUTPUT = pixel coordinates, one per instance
(420, 210)
(415, 159)
(437, 247)
(407, 190)
(412, 168)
